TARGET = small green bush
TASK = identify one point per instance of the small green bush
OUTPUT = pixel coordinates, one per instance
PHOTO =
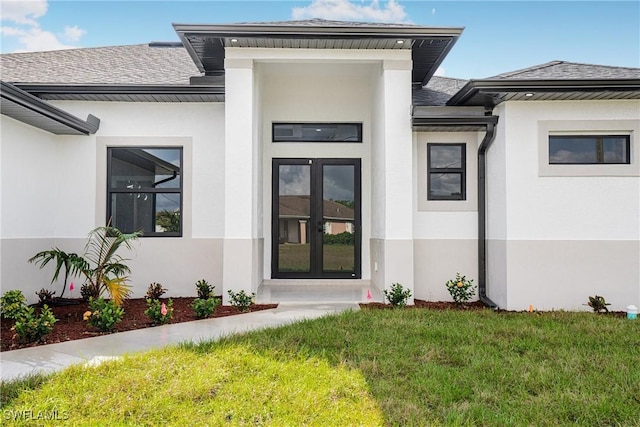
(159, 312)
(12, 304)
(45, 295)
(461, 289)
(241, 300)
(205, 290)
(344, 238)
(31, 327)
(397, 295)
(88, 291)
(204, 308)
(598, 304)
(103, 314)
(155, 291)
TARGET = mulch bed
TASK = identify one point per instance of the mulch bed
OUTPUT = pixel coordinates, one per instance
(70, 325)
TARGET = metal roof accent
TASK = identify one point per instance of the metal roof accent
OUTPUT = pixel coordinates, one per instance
(491, 92)
(451, 119)
(126, 93)
(429, 45)
(22, 106)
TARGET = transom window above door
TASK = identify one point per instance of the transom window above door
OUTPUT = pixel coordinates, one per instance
(317, 132)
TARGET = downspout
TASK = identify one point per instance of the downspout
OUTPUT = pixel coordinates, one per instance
(482, 215)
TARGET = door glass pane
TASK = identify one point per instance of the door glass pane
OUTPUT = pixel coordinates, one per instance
(338, 208)
(293, 218)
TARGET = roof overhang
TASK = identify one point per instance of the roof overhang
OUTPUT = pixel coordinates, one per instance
(127, 93)
(451, 119)
(22, 106)
(489, 93)
(429, 45)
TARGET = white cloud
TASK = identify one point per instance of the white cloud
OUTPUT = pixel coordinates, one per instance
(73, 34)
(390, 12)
(23, 11)
(25, 28)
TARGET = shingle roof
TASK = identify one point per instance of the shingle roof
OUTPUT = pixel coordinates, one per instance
(437, 92)
(132, 64)
(569, 70)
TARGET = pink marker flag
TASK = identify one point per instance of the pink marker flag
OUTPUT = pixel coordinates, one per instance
(369, 297)
(71, 286)
(163, 309)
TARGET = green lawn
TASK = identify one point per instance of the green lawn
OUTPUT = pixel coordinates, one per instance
(295, 257)
(373, 367)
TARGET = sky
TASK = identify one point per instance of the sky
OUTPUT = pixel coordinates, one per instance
(499, 36)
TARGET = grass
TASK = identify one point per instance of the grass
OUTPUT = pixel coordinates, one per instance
(374, 367)
(295, 257)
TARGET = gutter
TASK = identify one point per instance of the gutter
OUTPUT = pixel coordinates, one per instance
(482, 215)
(39, 108)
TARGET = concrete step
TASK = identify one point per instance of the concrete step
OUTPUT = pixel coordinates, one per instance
(317, 291)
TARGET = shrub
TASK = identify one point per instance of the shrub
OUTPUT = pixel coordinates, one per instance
(155, 291)
(45, 295)
(88, 291)
(397, 295)
(241, 300)
(204, 308)
(344, 238)
(461, 289)
(103, 314)
(12, 304)
(31, 327)
(205, 290)
(159, 313)
(598, 304)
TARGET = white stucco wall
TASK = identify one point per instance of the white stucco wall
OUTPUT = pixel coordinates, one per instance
(67, 185)
(564, 237)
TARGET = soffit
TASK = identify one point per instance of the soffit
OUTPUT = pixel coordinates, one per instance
(429, 45)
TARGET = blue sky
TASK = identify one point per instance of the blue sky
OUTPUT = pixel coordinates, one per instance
(499, 36)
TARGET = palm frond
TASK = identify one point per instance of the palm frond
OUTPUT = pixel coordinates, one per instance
(118, 289)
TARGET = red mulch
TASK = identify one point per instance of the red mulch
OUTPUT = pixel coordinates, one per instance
(70, 325)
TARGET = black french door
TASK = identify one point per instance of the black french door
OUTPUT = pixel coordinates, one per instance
(316, 214)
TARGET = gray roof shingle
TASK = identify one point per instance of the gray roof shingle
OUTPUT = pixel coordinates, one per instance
(132, 64)
(560, 70)
(437, 92)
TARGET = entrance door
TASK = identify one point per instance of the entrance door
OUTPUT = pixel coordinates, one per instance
(316, 218)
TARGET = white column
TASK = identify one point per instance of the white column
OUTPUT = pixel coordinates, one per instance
(398, 177)
(241, 259)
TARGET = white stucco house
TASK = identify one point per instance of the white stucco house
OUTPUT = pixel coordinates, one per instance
(527, 182)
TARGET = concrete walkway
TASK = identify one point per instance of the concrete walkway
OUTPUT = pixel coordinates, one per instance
(54, 357)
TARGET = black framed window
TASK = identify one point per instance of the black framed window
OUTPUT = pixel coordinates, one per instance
(589, 149)
(317, 132)
(446, 172)
(144, 190)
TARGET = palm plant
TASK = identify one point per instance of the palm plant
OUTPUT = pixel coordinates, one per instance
(72, 263)
(103, 268)
(109, 270)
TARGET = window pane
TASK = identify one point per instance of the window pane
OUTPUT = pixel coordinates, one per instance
(573, 150)
(293, 218)
(138, 168)
(149, 212)
(338, 218)
(445, 156)
(616, 149)
(317, 132)
(445, 186)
